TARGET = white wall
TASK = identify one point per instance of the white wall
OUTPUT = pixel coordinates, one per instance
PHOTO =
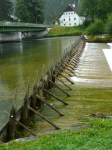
(70, 19)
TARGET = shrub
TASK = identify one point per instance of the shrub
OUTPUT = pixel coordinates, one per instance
(108, 26)
(95, 28)
(86, 23)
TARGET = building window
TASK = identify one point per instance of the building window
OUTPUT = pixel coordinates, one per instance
(74, 18)
(69, 24)
(69, 19)
(64, 19)
(64, 24)
(74, 23)
(66, 13)
(69, 13)
(74, 12)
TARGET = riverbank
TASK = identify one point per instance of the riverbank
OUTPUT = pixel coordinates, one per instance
(97, 136)
(65, 31)
(99, 39)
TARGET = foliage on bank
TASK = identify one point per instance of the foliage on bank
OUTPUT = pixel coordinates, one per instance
(65, 31)
(99, 39)
(95, 28)
(97, 136)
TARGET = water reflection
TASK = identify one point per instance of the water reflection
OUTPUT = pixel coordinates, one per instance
(21, 60)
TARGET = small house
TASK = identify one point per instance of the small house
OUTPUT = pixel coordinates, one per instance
(70, 17)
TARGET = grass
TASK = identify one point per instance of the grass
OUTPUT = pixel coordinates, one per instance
(97, 137)
(65, 31)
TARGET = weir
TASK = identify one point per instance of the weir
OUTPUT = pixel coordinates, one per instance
(33, 102)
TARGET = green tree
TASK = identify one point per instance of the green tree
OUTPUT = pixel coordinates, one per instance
(30, 10)
(103, 8)
(108, 26)
(89, 8)
(95, 28)
(54, 19)
(96, 8)
(6, 9)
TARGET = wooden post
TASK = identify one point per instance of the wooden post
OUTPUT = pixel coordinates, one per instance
(33, 97)
(55, 97)
(69, 69)
(60, 88)
(66, 72)
(62, 82)
(65, 77)
(25, 127)
(24, 114)
(10, 133)
(43, 100)
(56, 127)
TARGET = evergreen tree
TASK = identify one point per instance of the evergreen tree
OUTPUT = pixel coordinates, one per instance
(30, 10)
(6, 9)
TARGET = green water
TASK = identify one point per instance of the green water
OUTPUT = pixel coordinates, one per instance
(19, 61)
(83, 102)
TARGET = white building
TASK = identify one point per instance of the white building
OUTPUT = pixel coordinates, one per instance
(69, 17)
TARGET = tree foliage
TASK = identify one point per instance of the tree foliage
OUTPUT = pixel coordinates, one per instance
(30, 10)
(6, 9)
(108, 26)
(54, 19)
(95, 28)
(96, 8)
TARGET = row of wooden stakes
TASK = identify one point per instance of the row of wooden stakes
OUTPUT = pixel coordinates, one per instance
(33, 102)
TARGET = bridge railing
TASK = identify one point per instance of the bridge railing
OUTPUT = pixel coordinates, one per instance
(21, 24)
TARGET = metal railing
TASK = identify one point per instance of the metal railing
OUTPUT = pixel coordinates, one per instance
(22, 24)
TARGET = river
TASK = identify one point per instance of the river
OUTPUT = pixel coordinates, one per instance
(21, 60)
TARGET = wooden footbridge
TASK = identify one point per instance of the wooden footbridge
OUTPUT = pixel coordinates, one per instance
(32, 103)
(21, 27)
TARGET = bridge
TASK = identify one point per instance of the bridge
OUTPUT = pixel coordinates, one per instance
(16, 31)
(21, 27)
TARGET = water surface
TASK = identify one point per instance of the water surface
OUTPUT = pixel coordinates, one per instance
(21, 60)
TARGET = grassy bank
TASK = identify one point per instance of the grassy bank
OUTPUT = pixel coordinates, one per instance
(98, 134)
(97, 137)
(97, 39)
(65, 31)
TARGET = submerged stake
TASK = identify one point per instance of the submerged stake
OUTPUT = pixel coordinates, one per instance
(62, 82)
(55, 97)
(43, 117)
(59, 88)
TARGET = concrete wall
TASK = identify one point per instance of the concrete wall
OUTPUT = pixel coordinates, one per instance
(10, 37)
(18, 36)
